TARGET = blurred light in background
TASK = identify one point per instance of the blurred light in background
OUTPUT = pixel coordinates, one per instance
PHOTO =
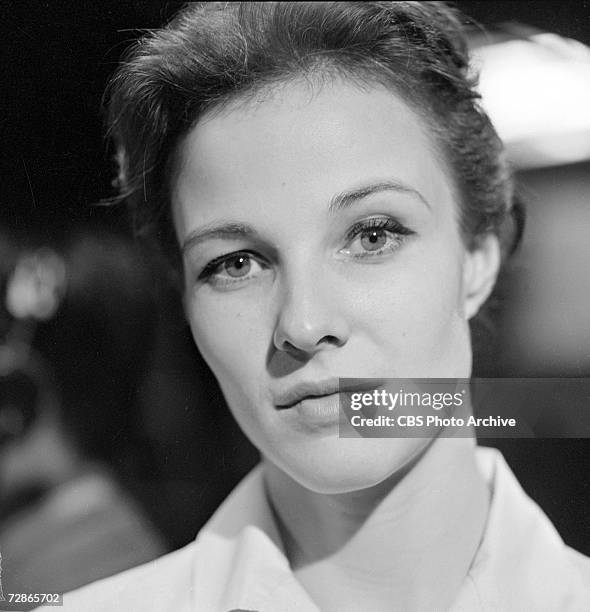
(536, 89)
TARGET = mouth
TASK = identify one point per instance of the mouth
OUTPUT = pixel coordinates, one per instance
(306, 392)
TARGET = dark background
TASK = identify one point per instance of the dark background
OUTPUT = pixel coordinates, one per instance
(56, 59)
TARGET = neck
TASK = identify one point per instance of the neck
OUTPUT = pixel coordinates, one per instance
(408, 532)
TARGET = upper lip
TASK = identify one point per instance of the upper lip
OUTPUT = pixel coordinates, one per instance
(299, 391)
(305, 389)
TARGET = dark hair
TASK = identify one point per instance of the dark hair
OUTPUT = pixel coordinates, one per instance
(94, 348)
(211, 53)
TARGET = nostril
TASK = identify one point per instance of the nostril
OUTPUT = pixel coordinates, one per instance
(289, 347)
(293, 350)
(300, 351)
(331, 340)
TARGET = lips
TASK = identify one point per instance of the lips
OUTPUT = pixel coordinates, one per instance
(310, 389)
(305, 390)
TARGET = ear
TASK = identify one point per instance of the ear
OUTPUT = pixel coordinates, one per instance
(480, 270)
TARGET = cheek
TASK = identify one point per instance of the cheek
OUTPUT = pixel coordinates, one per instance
(232, 340)
(234, 343)
(415, 313)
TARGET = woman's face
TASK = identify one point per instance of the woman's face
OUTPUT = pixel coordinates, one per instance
(321, 240)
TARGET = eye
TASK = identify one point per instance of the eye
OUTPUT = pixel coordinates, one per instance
(232, 268)
(375, 236)
(238, 265)
(374, 239)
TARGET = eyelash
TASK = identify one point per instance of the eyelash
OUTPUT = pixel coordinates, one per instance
(378, 223)
(211, 267)
(375, 223)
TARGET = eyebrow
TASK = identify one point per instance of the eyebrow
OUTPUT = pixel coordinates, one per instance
(223, 231)
(348, 198)
(232, 230)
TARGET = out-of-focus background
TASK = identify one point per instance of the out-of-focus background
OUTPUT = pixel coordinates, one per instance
(56, 59)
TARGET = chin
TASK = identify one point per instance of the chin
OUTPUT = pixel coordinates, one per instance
(345, 465)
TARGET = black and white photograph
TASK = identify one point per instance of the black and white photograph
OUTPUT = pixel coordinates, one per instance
(295, 306)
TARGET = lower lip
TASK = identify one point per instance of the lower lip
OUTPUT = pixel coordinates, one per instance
(323, 410)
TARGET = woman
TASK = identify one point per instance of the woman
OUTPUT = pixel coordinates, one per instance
(339, 206)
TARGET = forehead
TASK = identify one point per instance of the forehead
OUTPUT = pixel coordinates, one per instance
(298, 144)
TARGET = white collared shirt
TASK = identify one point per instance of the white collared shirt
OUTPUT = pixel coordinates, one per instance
(237, 562)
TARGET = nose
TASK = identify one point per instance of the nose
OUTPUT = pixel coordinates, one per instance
(311, 317)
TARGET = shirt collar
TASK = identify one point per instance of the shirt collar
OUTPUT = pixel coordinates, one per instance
(241, 561)
(521, 561)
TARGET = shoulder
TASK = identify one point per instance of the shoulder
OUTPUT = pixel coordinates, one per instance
(170, 582)
(162, 584)
(522, 561)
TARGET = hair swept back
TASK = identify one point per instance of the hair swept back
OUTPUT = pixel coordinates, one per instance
(211, 53)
